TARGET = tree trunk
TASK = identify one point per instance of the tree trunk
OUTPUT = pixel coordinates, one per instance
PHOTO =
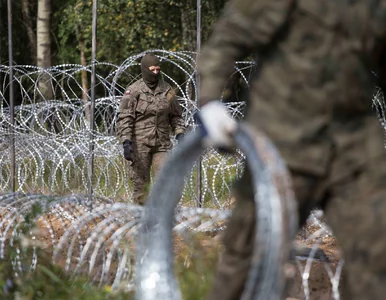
(43, 42)
(189, 29)
(28, 24)
(83, 61)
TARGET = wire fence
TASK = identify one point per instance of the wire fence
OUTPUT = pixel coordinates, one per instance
(51, 138)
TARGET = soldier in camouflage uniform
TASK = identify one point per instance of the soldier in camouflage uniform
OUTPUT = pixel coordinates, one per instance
(312, 97)
(148, 113)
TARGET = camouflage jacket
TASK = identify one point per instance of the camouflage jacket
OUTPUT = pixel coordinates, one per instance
(315, 62)
(146, 117)
(304, 32)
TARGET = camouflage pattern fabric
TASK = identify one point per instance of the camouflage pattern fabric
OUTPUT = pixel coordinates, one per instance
(148, 118)
(147, 159)
(312, 97)
(354, 209)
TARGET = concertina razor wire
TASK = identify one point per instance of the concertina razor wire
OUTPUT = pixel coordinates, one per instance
(51, 142)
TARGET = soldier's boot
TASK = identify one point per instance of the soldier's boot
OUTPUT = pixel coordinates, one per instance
(138, 194)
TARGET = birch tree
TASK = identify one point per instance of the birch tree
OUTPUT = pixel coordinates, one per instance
(43, 42)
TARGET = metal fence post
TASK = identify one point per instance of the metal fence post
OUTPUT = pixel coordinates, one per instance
(199, 200)
(92, 110)
(11, 101)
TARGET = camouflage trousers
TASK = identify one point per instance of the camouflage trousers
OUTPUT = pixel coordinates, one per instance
(355, 209)
(148, 160)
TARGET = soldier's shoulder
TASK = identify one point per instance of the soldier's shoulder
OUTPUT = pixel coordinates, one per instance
(137, 85)
(163, 84)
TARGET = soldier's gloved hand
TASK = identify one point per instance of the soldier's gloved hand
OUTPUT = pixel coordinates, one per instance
(179, 137)
(128, 151)
(217, 125)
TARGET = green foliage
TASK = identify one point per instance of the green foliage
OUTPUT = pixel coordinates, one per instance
(196, 262)
(50, 282)
(218, 181)
(34, 211)
(124, 27)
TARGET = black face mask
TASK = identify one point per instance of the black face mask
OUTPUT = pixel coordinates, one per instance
(148, 76)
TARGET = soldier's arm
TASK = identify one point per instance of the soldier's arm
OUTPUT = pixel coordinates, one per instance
(176, 121)
(126, 115)
(245, 26)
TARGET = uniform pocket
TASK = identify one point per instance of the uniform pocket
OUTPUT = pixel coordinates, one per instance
(143, 104)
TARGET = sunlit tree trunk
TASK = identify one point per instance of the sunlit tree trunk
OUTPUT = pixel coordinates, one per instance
(43, 43)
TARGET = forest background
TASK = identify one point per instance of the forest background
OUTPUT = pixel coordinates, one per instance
(49, 33)
(124, 28)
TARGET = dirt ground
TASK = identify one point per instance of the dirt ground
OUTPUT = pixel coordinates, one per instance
(320, 284)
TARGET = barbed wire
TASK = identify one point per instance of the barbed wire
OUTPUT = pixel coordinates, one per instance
(52, 151)
(52, 135)
(100, 243)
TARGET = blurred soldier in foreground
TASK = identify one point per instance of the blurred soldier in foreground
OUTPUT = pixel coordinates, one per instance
(312, 97)
(147, 112)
